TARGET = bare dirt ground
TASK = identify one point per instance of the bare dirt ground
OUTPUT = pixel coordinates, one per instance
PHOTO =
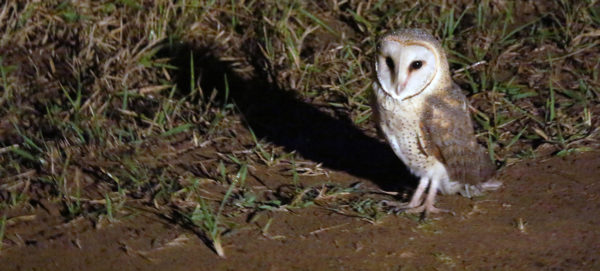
(545, 217)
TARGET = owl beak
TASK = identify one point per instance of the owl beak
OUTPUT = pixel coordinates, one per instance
(401, 86)
(399, 90)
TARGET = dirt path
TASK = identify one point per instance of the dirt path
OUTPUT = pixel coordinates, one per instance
(545, 217)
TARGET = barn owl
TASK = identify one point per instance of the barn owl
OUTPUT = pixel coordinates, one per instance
(425, 118)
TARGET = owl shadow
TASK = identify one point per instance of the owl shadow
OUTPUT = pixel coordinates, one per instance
(280, 117)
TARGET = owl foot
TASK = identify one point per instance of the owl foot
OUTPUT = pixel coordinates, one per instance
(427, 209)
(403, 207)
(394, 206)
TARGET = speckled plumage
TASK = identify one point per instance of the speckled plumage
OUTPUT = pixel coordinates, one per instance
(425, 119)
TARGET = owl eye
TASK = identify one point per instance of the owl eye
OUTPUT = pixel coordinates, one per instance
(390, 63)
(415, 65)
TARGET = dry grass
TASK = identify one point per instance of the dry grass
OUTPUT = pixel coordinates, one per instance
(108, 104)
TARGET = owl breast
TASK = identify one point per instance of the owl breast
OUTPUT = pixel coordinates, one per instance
(400, 125)
(399, 122)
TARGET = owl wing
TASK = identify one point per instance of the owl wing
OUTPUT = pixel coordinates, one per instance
(447, 133)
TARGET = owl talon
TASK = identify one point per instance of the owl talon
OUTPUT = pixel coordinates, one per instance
(427, 210)
(393, 206)
(403, 207)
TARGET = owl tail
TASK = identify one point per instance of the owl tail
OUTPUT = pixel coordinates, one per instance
(470, 191)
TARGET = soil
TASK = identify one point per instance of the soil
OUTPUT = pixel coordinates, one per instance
(544, 217)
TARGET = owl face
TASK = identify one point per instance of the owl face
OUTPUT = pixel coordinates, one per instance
(405, 68)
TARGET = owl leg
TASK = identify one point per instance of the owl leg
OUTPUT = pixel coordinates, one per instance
(430, 200)
(417, 196)
(415, 200)
(428, 206)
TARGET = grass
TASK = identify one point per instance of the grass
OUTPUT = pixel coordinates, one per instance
(107, 104)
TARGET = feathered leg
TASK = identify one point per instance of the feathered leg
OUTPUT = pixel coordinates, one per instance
(415, 200)
(417, 196)
(428, 206)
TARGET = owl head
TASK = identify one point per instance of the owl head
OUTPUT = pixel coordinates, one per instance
(410, 62)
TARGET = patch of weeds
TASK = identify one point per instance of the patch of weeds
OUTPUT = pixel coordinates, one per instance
(445, 259)
(4, 72)
(368, 209)
(350, 201)
(268, 154)
(109, 207)
(520, 224)
(212, 224)
(566, 152)
(247, 200)
(425, 225)
(68, 12)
